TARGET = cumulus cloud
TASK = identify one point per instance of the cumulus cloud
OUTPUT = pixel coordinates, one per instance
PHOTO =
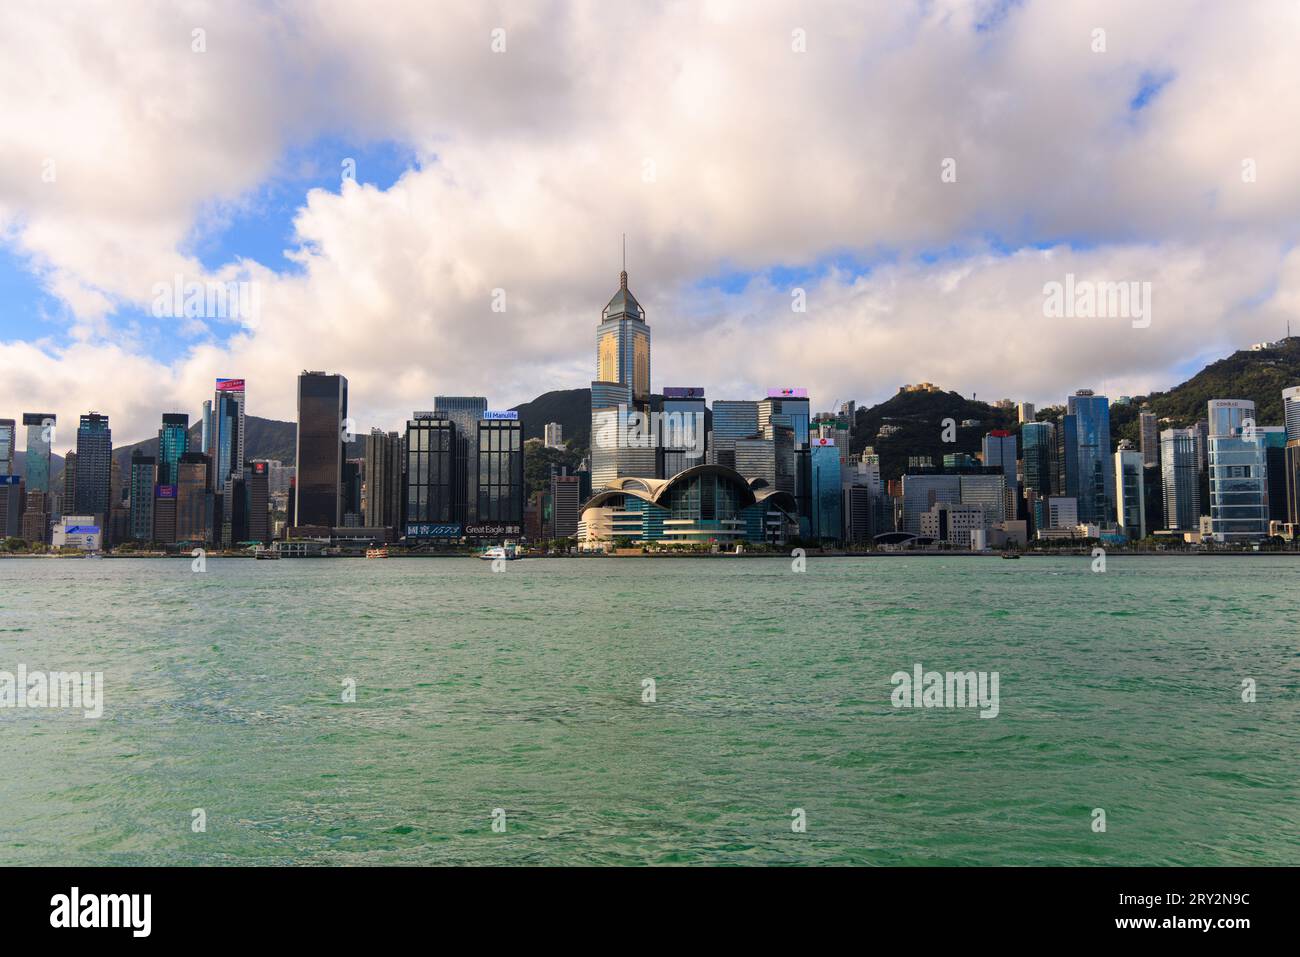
(698, 129)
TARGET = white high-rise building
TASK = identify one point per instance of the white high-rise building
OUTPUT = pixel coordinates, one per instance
(553, 435)
(1238, 469)
(1130, 503)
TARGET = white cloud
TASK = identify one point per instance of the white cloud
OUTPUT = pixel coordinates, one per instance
(534, 163)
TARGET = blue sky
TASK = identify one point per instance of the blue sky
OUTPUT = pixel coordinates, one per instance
(780, 164)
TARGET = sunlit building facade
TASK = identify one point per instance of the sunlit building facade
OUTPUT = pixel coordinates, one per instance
(1237, 472)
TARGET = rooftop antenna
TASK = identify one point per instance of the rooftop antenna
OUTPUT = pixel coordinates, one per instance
(622, 277)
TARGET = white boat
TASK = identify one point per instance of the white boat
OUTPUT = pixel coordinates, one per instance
(266, 554)
(504, 552)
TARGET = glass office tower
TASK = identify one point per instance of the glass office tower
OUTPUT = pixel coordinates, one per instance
(1039, 455)
(173, 442)
(1180, 474)
(432, 473)
(623, 344)
(1094, 468)
(228, 430)
(500, 471)
(464, 412)
(682, 429)
(143, 473)
(93, 488)
(322, 408)
(732, 420)
(40, 437)
(827, 502)
(1130, 500)
(1237, 471)
(8, 442)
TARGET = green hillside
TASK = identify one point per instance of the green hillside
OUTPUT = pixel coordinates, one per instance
(919, 418)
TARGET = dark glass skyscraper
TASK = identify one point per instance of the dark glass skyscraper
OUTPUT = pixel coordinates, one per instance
(94, 467)
(1038, 442)
(431, 473)
(463, 411)
(322, 408)
(173, 442)
(501, 471)
(143, 472)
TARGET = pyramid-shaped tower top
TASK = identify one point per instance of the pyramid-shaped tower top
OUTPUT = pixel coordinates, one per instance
(623, 304)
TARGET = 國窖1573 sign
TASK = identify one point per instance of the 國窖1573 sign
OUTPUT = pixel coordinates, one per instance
(422, 530)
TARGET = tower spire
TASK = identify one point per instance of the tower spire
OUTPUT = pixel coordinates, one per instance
(622, 277)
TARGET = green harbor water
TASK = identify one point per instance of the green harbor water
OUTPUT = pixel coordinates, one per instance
(523, 690)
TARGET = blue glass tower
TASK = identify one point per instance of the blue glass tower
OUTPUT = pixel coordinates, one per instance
(1093, 468)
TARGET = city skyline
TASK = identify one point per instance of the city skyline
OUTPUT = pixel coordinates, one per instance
(368, 217)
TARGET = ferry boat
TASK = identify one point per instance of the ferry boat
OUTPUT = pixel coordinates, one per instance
(505, 552)
(1010, 554)
(266, 554)
(381, 552)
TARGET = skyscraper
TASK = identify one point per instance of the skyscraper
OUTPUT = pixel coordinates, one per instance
(1130, 500)
(1291, 412)
(322, 409)
(228, 430)
(682, 434)
(1291, 409)
(40, 436)
(553, 435)
(8, 442)
(94, 468)
(193, 498)
(1179, 472)
(431, 474)
(1000, 452)
(257, 488)
(1094, 468)
(790, 408)
(463, 411)
(1150, 436)
(623, 344)
(621, 389)
(383, 479)
(1237, 472)
(173, 442)
(827, 520)
(1039, 455)
(143, 473)
(69, 482)
(500, 472)
(732, 419)
(564, 506)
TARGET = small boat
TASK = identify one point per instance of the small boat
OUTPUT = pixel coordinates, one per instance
(504, 552)
(1010, 554)
(266, 554)
(377, 552)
